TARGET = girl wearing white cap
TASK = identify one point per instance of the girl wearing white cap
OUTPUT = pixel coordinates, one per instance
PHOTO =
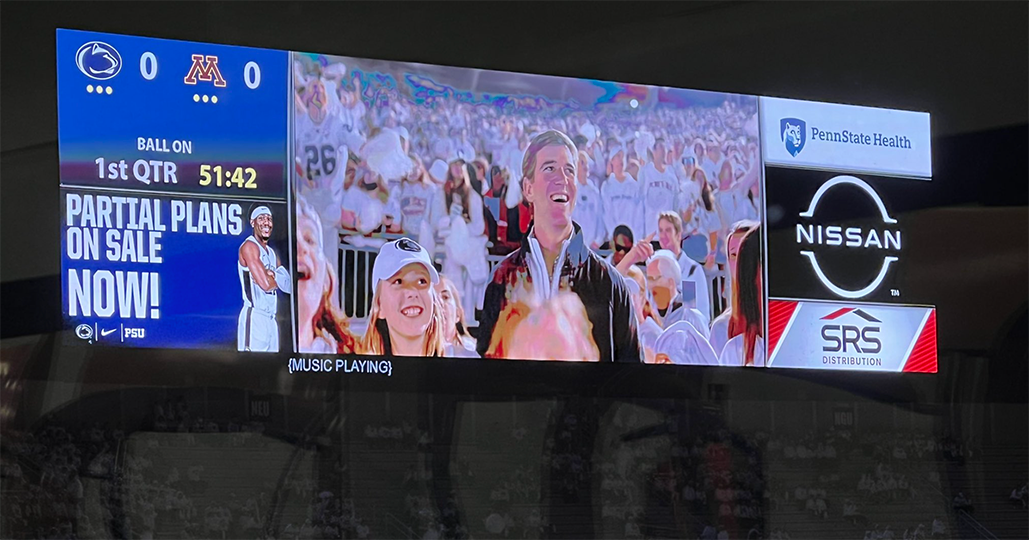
(406, 316)
(648, 325)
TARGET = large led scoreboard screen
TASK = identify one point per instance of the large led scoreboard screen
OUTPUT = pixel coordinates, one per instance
(229, 198)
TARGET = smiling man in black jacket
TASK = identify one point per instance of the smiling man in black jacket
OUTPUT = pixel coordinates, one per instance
(554, 243)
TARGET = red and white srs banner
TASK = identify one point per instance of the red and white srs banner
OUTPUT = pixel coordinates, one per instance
(824, 335)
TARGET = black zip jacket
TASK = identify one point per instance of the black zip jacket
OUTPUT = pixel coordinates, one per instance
(600, 287)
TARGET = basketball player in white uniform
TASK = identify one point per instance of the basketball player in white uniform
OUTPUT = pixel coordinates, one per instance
(261, 276)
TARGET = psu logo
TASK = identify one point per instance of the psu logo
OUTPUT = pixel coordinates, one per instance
(794, 134)
(98, 60)
(84, 332)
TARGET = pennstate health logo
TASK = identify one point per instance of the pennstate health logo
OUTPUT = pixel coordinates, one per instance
(205, 68)
(98, 60)
(812, 232)
(794, 134)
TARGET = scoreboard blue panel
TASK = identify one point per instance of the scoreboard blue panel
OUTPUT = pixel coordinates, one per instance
(168, 148)
(148, 114)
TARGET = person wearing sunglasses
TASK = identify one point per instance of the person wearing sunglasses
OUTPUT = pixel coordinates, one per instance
(621, 244)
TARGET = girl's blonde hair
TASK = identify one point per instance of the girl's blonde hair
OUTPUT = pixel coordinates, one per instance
(376, 337)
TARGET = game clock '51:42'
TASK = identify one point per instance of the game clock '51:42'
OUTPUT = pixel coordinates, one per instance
(237, 177)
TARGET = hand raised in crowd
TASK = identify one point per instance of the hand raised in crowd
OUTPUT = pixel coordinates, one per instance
(640, 252)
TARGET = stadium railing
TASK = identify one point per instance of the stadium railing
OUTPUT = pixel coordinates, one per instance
(355, 276)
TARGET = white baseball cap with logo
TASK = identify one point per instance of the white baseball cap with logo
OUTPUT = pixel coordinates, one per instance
(397, 254)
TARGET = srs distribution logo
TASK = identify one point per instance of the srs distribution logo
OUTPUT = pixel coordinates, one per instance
(859, 336)
(827, 335)
(794, 134)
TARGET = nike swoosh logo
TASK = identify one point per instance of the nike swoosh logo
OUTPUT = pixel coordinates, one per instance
(107, 332)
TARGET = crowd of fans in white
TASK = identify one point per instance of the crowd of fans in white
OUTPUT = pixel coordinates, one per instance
(423, 160)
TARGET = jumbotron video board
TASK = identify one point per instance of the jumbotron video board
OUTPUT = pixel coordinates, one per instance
(229, 198)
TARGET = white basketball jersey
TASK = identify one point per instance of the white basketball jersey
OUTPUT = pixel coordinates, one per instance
(253, 295)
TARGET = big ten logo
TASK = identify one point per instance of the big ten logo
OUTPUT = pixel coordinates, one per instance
(862, 336)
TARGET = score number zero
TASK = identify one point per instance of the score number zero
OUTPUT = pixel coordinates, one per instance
(148, 69)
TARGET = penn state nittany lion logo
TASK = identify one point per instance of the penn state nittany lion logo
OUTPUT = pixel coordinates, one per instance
(793, 132)
(407, 244)
(98, 60)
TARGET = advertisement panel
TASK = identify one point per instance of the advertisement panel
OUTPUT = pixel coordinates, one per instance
(861, 337)
(837, 178)
(174, 193)
(831, 136)
(838, 236)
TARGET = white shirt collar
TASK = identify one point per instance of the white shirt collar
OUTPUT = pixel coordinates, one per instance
(545, 283)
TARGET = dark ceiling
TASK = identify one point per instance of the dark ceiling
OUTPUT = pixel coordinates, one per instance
(963, 62)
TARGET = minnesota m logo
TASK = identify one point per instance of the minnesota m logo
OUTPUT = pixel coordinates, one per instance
(205, 68)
